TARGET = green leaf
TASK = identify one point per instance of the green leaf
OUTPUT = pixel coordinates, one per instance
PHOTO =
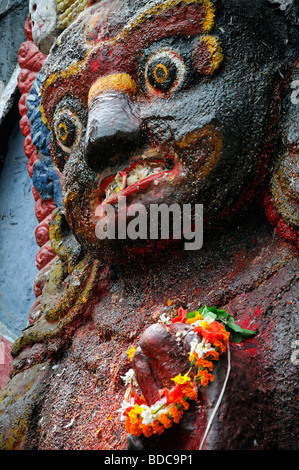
(206, 312)
(248, 333)
(245, 333)
(219, 313)
(236, 337)
(237, 333)
(231, 323)
(191, 314)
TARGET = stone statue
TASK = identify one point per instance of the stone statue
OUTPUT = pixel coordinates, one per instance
(178, 102)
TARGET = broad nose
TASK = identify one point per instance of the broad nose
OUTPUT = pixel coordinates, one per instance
(113, 127)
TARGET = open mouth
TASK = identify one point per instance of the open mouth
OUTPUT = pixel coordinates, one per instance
(135, 178)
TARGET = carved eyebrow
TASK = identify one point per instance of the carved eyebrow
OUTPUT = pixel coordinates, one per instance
(160, 20)
(162, 7)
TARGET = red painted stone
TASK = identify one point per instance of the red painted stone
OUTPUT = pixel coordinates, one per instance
(43, 208)
(44, 255)
(22, 105)
(42, 232)
(28, 29)
(286, 231)
(33, 158)
(30, 57)
(24, 125)
(42, 277)
(35, 193)
(25, 80)
(35, 311)
(5, 360)
(29, 148)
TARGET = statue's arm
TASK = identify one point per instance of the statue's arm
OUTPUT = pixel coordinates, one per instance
(282, 205)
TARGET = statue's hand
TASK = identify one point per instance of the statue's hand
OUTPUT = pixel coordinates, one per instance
(162, 354)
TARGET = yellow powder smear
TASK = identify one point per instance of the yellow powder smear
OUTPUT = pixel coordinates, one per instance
(215, 51)
(156, 10)
(118, 82)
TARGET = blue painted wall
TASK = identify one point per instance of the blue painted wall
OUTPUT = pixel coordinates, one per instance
(17, 240)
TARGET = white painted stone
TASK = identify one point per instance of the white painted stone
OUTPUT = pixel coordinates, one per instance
(43, 15)
(283, 4)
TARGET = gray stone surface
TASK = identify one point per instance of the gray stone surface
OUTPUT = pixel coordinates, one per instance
(13, 14)
(17, 241)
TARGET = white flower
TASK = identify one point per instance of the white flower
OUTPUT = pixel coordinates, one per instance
(165, 410)
(159, 403)
(178, 336)
(193, 345)
(130, 377)
(164, 319)
(147, 416)
(209, 319)
(123, 407)
(200, 348)
(151, 414)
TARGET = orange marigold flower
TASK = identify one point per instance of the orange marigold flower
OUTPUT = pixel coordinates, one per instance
(176, 414)
(212, 355)
(147, 430)
(205, 364)
(165, 421)
(204, 377)
(183, 403)
(219, 345)
(158, 428)
(190, 393)
(197, 362)
(133, 428)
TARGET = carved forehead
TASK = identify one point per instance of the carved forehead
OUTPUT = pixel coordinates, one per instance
(108, 37)
(117, 19)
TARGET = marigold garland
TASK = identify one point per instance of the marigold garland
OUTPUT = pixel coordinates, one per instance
(214, 328)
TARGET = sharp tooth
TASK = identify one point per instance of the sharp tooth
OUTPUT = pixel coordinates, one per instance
(124, 179)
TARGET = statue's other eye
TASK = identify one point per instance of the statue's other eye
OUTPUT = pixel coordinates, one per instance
(66, 131)
(68, 128)
(165, 71)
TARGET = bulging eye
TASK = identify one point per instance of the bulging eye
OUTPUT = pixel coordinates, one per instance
(68, 128)
(165, 71)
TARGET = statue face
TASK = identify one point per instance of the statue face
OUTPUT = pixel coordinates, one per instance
(153, 106)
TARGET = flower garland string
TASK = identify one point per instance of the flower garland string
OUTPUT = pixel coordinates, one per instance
(214, 329)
